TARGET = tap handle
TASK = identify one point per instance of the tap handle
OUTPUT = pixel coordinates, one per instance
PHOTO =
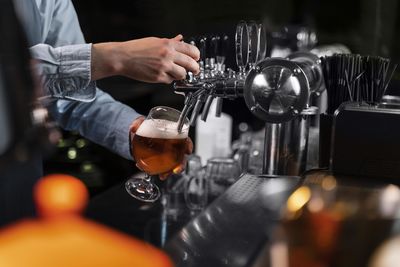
(225, 44)
(202, 48)
(215, 46)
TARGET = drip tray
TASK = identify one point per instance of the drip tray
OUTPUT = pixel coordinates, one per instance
(233, 230)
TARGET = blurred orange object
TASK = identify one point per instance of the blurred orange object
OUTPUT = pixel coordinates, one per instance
(62, 238)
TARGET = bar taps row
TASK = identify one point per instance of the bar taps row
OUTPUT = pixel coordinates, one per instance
(215, 80)
(260, 80)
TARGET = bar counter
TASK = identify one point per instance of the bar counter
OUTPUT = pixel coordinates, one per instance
(340, 220)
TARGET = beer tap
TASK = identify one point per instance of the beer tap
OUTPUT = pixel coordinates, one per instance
(190, 76)
(185, 111)
(218, 110)
(221, 53)
(197, 107)
(264, 85)
(276, 90)
(203, 59)
(211, 47)
(207, 105)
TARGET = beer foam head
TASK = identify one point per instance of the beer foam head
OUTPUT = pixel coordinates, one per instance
(163, 129)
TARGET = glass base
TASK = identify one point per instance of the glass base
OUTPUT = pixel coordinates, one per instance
(142, 189)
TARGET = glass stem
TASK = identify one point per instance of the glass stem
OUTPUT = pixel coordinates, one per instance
(147, 178)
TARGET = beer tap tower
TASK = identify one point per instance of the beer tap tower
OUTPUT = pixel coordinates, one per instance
(276, 90)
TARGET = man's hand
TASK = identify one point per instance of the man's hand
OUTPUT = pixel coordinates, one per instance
(178, 169)
(153, 60)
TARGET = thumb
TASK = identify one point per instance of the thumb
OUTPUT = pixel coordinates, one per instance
(189, 146)
(136, 124)
(178, 38)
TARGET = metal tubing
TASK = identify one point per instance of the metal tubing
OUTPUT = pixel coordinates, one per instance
(286, 147)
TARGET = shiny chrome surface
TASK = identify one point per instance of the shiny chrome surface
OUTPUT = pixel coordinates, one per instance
(286, 145)
(311, 65)
(233, 229)
(276, 90)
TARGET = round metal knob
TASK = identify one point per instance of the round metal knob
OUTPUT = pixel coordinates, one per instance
(276, 90)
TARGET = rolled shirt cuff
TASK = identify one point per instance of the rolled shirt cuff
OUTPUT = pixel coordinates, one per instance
(66, 71)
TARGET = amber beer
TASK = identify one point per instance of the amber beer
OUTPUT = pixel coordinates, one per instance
(157, 147)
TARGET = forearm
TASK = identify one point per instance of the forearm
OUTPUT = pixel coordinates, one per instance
(103, 121)
(70, 71)
(105, 61)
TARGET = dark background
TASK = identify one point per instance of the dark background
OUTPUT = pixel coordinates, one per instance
(365, 26)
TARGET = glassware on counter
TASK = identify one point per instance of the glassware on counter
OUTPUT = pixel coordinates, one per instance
(241, 151)
(172, 199)
(196, 185)
(204, 184)
(248, 151)
(221, 173)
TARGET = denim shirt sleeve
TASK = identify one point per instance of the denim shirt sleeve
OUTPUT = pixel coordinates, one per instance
(103, 121)
(65, 71)
(63, 62)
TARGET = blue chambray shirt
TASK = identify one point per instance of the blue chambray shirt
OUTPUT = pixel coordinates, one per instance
(57, 43)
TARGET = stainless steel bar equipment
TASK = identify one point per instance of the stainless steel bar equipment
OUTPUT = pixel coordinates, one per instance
(276, 90)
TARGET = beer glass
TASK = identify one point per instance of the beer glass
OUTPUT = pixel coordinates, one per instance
(158, 148)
